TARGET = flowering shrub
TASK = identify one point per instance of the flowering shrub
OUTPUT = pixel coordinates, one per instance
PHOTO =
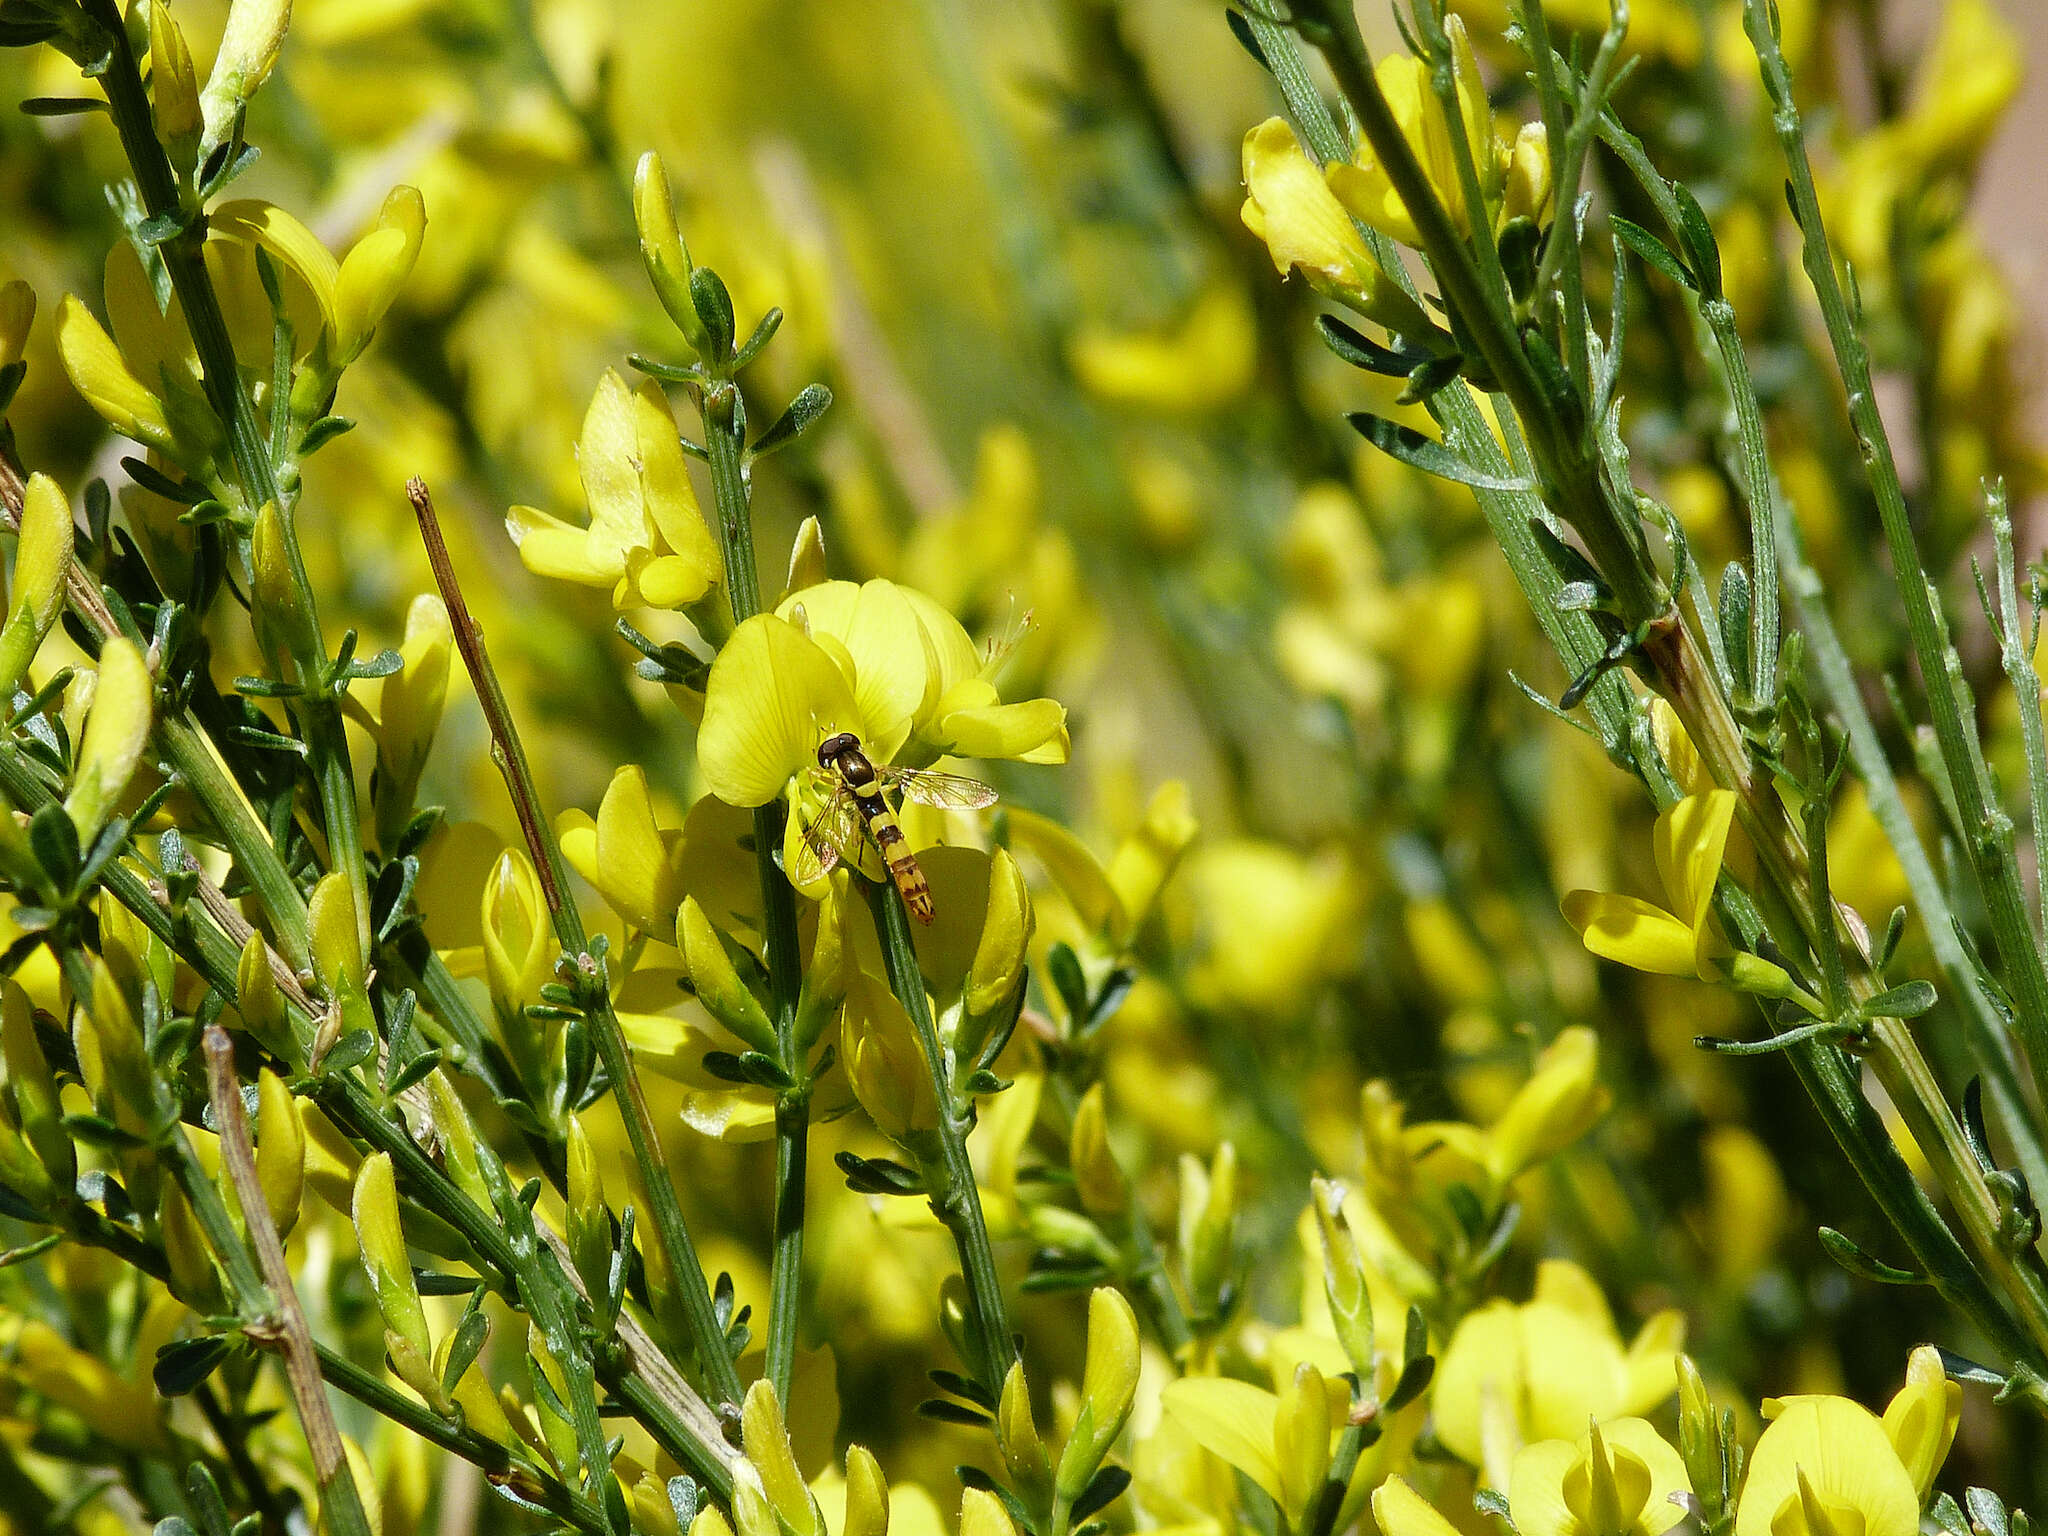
(1130, 981)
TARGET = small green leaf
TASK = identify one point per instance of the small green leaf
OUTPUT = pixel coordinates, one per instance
(1844, 1251)
(1427, 454)
(1906, 1001)
(1653, 251)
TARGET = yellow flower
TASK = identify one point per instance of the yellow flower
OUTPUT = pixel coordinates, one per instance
(1266, 924)
(646, 540)
(1825, 1467)
(1616, 1480)
(1538, 1371)
(1206, 363)
(884, 631)
(375, 268)
(1289, 205)
(1560, 1103)
(1690, 841)
(880, 660)
(1364, 186)
(1281, 1442)
(635, 863)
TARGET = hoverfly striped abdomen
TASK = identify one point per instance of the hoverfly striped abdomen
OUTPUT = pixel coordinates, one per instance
(842, 754)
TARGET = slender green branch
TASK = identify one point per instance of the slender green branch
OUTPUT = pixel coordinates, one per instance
(2016, 652)
(1988, 830)
(671, 1231)
(725, 443)
(319, 708)
(957, 1199)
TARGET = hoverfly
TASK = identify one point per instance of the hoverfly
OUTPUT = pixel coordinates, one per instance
(857, 811)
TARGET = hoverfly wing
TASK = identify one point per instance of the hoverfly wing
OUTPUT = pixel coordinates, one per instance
(947, 791)
(830, 836)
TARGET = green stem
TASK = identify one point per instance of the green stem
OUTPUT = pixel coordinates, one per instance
(957, 1200)
(1988, 830)
(1762, 682)
(671, 1231)
(325, 736)
(1562, 449)
(2016, 653)
(725, 446)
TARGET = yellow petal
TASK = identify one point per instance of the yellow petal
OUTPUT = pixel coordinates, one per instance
(878, 628)
(1631, 932)
(1921, 1420)
(99, 373)
(1847, 1461)
(1400, 1511)
(771, 698)
(1233, 1420)
(1689, 841)
(636, 870)
(1290, 207)
(283, 236)
(550, 547)
(375, 268)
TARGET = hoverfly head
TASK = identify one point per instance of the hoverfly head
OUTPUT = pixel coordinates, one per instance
(832, 748)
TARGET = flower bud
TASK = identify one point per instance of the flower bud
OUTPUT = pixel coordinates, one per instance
(983, 1514)
(1017, 1436)
(373, 271)
(248, 52)
(710, 1522)
(1528, 175)
(806, 558)
(123, 706)
(1208, 1225)
(718, 986)
(17, 314)
(99, 372)
(867, 1495)
(884, 1063)
(174, 90)
(824, 987)
(117, 1073)
(589, 1218)
(331, 929)
(1344, 1279)
(481, 1410)
(193, 1278)
(459, 1154)
(1144, 861)
(767, 1445)
(382, 1243)
(1097, 1179)
(999, 957)
(1559, 1104)
(38, 1110)
(519, 943)
(1699, 1436)
(282, 629)
(653, 1512)
(21, 1171)
(1301, 1442)
(257, 997)
(1109, 1382)
(280, 1151)
(42, 557)
(752, 1512)
(409, 713)
(662, 250)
